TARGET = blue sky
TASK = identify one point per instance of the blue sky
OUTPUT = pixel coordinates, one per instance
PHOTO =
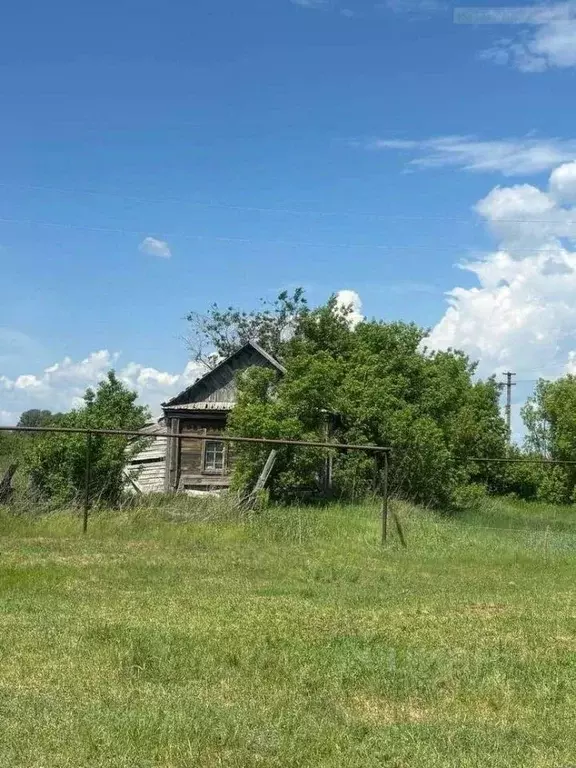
(159, 157)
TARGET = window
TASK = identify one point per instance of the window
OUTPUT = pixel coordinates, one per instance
(213, 456)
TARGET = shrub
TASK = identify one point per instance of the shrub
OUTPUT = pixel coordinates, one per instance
(56, 462)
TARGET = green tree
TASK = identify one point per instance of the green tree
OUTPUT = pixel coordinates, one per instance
(378, 385)
(56, 462)
(555, 485)
(13, 445)
(520, 478)
(38, 418)
(9, 449)
(220, 332)
(550, 420)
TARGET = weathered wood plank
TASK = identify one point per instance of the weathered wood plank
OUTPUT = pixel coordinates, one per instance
(192, 450)
(266, 471)
(195, 481)
(250, 501)
(172, 457)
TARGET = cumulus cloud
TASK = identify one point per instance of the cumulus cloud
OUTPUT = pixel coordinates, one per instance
(61, 386)
(521, 314)
(563, 183)
(524, 217)
(348, 299)
(153, 247)
(514, 156)
(546, 40)
(571, 364)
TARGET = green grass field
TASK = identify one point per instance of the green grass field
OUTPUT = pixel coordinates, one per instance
(291, 639)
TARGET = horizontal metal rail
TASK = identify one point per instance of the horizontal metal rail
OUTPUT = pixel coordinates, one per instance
(180, 436)
(270, 441)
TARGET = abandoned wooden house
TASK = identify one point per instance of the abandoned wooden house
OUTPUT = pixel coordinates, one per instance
(202, 409)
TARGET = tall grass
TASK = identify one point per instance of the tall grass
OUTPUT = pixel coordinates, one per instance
(185, 633)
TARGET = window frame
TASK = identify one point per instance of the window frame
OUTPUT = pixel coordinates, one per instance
(214, 470)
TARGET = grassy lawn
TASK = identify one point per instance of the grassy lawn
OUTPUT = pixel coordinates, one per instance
(293, 639)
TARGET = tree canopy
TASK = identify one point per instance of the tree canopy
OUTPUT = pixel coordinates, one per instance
(220, 332)
(550, 420)
(375, 384)
(56, 462)
(36, 417)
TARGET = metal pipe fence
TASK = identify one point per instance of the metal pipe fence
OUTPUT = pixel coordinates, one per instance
(382, 456)
(182, 436)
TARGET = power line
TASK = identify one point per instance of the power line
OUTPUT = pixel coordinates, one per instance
(542, 377)
(253, 241)
(222, 206)
(270, 209)
(218, 238)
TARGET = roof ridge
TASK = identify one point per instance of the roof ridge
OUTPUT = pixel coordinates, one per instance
(266, 355)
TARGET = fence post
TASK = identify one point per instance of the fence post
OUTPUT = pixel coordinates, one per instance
(87, 473)
(385, 500)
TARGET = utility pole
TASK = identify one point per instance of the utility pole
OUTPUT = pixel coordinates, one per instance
(509, 384)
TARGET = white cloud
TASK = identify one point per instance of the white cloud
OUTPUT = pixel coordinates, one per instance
(571, 364)
(523, 217)
(311, 3)
(515, 156)
(154, 247)
(417, 7)
(61, 386)
(145, 378)
(548, 39)
(521, 314)
(348, 299)
(563, 183)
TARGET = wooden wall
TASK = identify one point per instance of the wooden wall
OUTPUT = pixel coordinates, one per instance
(146, 469)
(219, 385)
(191, 451)
(184, 458)
(148, 477)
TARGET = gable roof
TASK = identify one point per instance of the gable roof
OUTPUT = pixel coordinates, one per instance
(266, 355)
(250, 347)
